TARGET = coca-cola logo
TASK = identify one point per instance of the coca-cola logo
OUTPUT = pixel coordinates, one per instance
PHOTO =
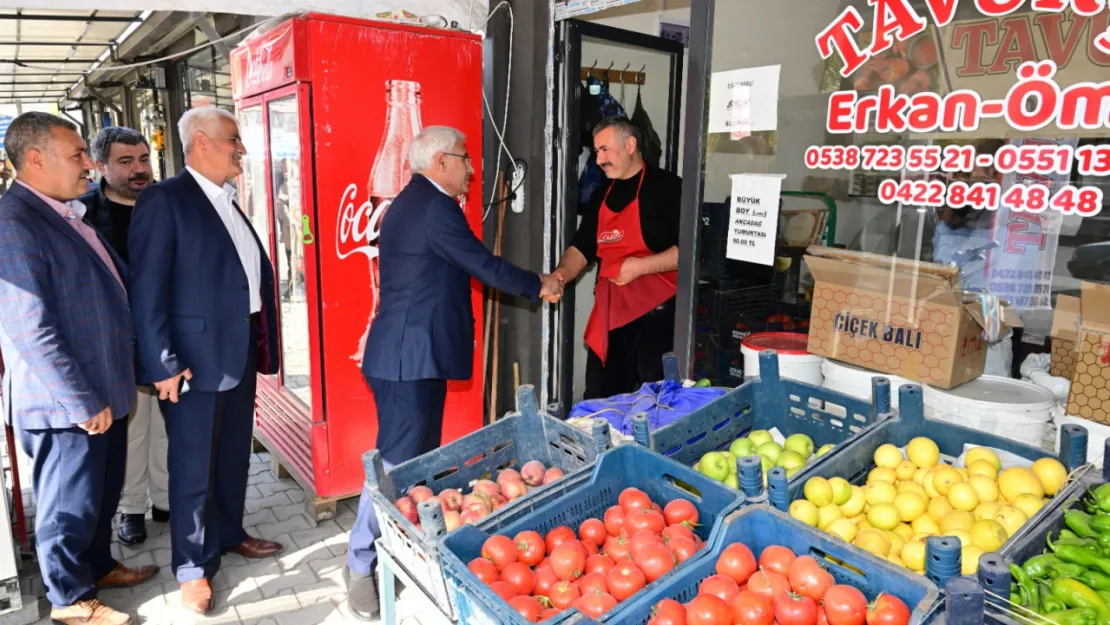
(358, 225)
(611, 236)
(259, 69)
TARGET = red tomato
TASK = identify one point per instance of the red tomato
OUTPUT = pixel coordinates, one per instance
(591, 549)
(503, 589)
(738, 562)
(791, 609)
(678, 531)
(528, 607)
(563, 595)
(655, 561)
(644, 520)
(822, 618)
(484, 570)
(777, 559)
(680, 511)
(668, 612)
(530, 547)
(682, 548)
(593, 583)
(545, 580)
(749, 608)
(633, 499)
(721, 586)
(598, 563)
(558, 536)
(845, 605)
(549, 613)
(888, 610)
(593, 531)
(625, 580)
(595, 605)
(500, 550)
(618, 548)
(520, 577)
(808, 579)
(568, 561)
(770, 585)
(614, 520)
(644, 538)
(708, 610)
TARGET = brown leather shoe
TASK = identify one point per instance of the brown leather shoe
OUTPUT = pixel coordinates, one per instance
(122, 577)
(196, 596)
(258, 548)
(89, 612)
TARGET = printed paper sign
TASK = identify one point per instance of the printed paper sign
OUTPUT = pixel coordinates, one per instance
(754, 218)
(572, 8)
(744, 100)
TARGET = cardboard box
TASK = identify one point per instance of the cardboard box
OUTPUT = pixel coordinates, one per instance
(1065, 334)
(1090, 384)
(897, 316)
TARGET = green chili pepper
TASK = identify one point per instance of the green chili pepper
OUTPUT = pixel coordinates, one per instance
(1037, 566)
(1100, 523)
(1095, 580)
(1066, 533)
(1051, 604)
(1080, 523)
(1078, 616)
(1101, 497)
(1104, 594)
(1065, 570)
(1017, 595)
(1027, 588)
(1076, 595)
(1082, 556)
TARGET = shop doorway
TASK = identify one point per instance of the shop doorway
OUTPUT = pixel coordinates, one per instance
(601, 71)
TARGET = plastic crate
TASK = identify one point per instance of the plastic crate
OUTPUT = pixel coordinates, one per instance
(761, 526)
(826, 416)
(509, 442)
(725, 304)
(594, 491)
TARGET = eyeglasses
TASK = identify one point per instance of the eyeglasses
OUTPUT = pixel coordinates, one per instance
(464, 157)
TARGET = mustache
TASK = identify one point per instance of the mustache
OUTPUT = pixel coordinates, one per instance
(139, 177)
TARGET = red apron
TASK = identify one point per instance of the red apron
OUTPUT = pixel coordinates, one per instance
(619, 236)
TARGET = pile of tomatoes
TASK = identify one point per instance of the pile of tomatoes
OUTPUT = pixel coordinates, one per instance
(592, 570)
(778, 589)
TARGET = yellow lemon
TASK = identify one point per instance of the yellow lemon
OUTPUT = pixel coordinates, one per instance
(887, 456)
(1051, 473)
(883, 516)
(962, 471)
(963, 536)
(1011, 518)
(828, 514)
(896, 542)
(982, 453)
(925, 524)
(873, 541)
(955, 520)
(938, 507)
(905, 531)
(927, 484)
(905, 470)
(985, 487)
(880, 492)
(988, 535)
(896, 559)
(919, 477)
(963, 497)
(818, 491)
(986, 510)
(842, 490)
(1029, 503)
(920, 538)
(913, 554)
(804, 511)
(855, 504)
(844, 529)
(984, 468)
(943, 479)
(923, 452)
(1018, 481)
(862, 524)
(911, 487)
(910, 506)
(882, 474)
(969, 560)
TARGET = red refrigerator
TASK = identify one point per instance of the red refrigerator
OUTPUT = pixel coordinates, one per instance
(328, 107)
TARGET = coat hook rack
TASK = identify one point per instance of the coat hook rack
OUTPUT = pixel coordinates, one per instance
(615, 75)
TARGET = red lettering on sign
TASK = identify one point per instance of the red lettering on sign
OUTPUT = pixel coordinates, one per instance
(838, 36)
(1020, 236)
(975, 37)
(1060, 47)
(1016, 46)
(942, 10)
(998, 8)
(893, 17)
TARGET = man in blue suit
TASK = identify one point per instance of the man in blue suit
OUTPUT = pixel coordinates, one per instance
(68, 343)
(424, 332)
(202, 294)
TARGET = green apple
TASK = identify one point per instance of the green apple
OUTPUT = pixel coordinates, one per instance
(742, 448)
(731, 457)
(714, 465)
(790, 472)
(799, 443)
(732, 481)
(767, 465)
(791, 459)
(825, 449)
(760, 436)
(770, 450)
(842, 490)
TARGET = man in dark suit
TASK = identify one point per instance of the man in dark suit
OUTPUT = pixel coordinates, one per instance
(424, 332)
(202, 293)
(68, 343)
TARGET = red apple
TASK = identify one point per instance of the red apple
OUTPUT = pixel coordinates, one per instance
(499, 501)
(452, 520)
(506, 475)
(532, 473)
(472, 516)
(421, 493)
(514, 489)
(487, 487)
(480, 498)
(552, 474)
(451, 499)
(407, 508)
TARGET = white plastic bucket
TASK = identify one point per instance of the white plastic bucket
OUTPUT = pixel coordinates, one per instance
(1006, 407)
(856, 381)
(794, 361)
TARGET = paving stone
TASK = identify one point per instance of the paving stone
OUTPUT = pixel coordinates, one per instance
(162, 557)
(268, 607)
(271, 531)
(315, 613)
(274, 582)
(346, 519)
(264, 477)
(273, 501)
(276, 486)
(261, 621)
(287, 510)
(297, 558)
(145, 558)
(257, 467)
(255, 569)
(257, 518)
(296, 496)
(253, 492)
(331, 565)
(316, 535)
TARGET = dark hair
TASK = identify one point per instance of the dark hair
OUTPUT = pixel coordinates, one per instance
(624, 128)
(105, 139)
(31, 131)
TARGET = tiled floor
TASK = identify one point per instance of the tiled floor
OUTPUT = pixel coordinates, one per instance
(302, 586)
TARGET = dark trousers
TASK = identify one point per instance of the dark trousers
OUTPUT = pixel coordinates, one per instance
(77, 479)
(635, 355)
(209, 436)
(410, 423)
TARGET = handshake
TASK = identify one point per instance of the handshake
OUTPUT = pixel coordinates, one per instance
(551, 286)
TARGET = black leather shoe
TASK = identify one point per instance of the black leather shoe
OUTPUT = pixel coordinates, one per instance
(132, 529)
(362, 595)
(159, 515)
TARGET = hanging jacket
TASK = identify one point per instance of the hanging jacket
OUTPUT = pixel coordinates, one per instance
(605, 105)
(652, 149)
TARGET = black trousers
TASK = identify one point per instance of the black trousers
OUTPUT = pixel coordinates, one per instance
(635, 355)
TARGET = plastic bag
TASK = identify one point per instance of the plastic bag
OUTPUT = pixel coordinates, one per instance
(664, 402)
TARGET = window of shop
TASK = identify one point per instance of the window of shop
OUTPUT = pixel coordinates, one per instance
(207, 80)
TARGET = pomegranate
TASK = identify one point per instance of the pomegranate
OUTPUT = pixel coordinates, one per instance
(532, 473)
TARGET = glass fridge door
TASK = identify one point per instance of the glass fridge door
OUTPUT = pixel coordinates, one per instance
(253, 182)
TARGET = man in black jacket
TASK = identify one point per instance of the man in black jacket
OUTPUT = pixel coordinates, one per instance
(122, 157)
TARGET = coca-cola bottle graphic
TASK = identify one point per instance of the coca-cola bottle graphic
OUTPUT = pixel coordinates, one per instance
(390, 174)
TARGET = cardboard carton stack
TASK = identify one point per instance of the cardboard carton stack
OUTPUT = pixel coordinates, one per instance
(1081, 351)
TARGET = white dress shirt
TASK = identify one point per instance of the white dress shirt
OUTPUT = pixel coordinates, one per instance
(236, 224)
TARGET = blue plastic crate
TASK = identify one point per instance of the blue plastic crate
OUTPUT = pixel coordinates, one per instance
(770, 401)
(761, 526)
(626, 466)
(508, 443)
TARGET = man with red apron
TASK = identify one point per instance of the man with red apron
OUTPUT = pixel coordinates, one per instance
(631, 229)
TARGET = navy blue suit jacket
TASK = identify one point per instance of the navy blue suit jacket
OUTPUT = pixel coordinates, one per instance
(427, 255)
(65, 326)
(189, 293)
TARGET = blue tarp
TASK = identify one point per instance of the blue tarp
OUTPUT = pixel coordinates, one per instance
(664, 402)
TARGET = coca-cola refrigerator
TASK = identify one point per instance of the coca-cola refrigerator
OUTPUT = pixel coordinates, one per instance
(328, 107)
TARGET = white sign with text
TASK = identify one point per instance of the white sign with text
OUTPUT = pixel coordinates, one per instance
(754, 218)
(744, 100)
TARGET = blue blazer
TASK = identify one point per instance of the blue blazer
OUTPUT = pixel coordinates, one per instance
(65, 326)
(189, 292)
(427, 255)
